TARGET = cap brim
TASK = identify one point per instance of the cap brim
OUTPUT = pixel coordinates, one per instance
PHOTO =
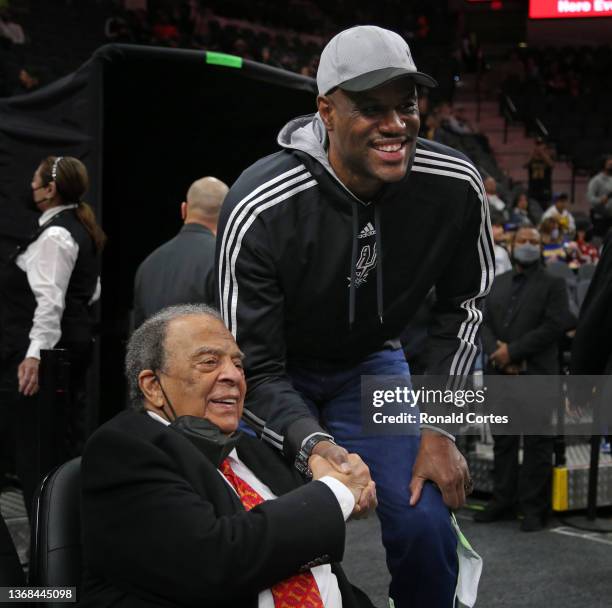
(374, 79)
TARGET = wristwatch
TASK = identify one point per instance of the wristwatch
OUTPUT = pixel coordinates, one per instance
(301, 460)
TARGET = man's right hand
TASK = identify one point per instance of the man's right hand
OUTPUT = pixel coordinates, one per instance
(337, 456)
(357, 480)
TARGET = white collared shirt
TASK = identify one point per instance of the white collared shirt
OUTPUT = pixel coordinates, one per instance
(502, 260)
(48, 263)
(325, 578)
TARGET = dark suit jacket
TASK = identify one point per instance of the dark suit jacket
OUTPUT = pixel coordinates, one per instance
(181, 271)
(162, 528)
(592, 348)
(539, 320)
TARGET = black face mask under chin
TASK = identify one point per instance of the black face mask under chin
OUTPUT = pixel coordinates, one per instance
(207, 437)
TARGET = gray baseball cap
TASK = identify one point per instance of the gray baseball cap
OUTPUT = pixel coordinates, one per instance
(364, 57)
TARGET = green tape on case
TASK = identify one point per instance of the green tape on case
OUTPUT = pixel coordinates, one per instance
(228, 61)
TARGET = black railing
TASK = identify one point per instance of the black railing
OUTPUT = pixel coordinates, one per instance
(510, 114)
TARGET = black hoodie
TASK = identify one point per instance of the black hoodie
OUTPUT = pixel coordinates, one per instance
(308, 272)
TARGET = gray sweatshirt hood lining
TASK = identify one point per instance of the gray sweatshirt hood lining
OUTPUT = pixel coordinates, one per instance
(308, 134)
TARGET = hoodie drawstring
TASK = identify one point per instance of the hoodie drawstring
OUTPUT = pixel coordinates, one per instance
(379, 269)
(379, 263)
(352, 288)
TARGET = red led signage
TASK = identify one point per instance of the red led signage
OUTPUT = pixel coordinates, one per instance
(569, 9)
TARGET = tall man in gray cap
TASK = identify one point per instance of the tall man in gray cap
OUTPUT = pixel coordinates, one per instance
(303, 238)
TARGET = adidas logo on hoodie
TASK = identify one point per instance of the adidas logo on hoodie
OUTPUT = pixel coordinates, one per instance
(368, 230)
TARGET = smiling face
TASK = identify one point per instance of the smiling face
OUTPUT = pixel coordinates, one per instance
(203, 374)
(372, 134)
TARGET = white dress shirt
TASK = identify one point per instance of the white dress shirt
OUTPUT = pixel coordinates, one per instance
(325, 578)
(502, 260)
(48, 263)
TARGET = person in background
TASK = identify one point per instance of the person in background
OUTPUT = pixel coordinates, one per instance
(458, 123)
(539, 170)
(47, 287)
(599, 193)
(181, 271)
(559, 211)
(502, 259)
(599, 189)
(525, 316)
(431, 126)
(552, 241)
(589, 254)
(164, 30)
(520, 211)
(495, 202)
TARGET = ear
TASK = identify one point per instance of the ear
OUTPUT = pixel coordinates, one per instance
(326, 111)
(52, 189)
(149, 385)
(183, 211)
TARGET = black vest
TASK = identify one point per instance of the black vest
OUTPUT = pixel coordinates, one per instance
(17, 302)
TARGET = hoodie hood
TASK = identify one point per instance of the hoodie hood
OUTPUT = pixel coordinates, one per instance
(307, 134)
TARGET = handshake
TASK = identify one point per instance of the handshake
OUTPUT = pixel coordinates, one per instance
(351, 471)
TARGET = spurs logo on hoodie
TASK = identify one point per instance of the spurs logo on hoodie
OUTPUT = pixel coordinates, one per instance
(366, 261)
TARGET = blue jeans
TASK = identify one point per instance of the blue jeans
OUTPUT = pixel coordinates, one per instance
(420, 543)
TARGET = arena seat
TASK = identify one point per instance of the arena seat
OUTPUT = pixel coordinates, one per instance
(55, 550)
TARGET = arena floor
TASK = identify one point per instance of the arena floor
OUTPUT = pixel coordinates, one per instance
(560, 567)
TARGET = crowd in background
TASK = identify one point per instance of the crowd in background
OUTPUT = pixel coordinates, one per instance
(288, 35)
(291, 36)
(573, 71)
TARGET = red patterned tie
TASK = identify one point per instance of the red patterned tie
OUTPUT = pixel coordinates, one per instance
(299, 591)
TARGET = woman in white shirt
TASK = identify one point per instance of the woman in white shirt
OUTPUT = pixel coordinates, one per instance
(47, 288)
